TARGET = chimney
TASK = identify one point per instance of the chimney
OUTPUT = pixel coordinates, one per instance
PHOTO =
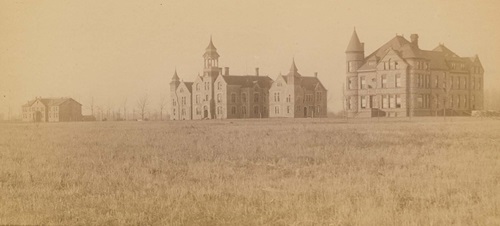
(226, 70)
(257, 71)
(414, 39)
(220, 71)
(316, 74)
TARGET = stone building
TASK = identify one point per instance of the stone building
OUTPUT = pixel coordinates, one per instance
(297, 96)
(399, 79)
(52, 110)
(219, 95)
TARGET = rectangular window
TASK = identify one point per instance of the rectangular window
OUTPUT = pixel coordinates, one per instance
(420, 101)
(385, 101)
(363, 101)
(288, 109)
(398, 101)
(398, 80)
(428, 81)
(363, 82)
(348, 103)
(255, 97)
(352, 66)
(277, 110)
(384, 81)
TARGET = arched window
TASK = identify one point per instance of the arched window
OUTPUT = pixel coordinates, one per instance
(219, 97)
(233, 97)
(243, 97)
(255, 97)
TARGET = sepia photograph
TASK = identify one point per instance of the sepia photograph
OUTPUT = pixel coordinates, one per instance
(236, 112)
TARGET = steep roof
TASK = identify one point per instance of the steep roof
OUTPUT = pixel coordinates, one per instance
(396, 43)
(310, 83)
(50, 101)
(189, 86)
(211, 51)
(447, 52)
(293, 69)
(175, 77)
(354, 44)
(248, 80)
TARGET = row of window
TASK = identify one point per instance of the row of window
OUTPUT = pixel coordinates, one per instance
(27, 109)
(422, 81)
(51, 115)
(388, 101)
(384, 83)
(307, 98)
(421, 65)
(277, 109)
(422, 101)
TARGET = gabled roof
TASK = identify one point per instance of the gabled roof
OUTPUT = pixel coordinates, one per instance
(50, 101)
(310, 83)
(396, 43)
(189, 86)
(248, 80)
(447, 52)
(354, 44)
(437, 60)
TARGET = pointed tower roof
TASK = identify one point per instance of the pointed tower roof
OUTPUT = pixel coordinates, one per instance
(175, 77)
(293, 68)
(211, 51)
(354, 45)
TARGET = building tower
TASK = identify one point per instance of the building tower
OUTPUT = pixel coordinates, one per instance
(210, 72)
(174, 110)
(293, 73)
(355, 54)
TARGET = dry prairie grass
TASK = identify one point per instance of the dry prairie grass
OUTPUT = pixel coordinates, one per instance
(261, 172)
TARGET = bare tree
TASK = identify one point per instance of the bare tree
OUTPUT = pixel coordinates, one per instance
(446, 90)
(344, 97)
(124, 105)
(142, 104)
(92, 106)
(161, 105)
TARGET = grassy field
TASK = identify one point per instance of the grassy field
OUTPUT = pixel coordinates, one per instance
(252, 172)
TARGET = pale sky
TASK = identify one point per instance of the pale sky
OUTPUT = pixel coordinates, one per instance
(112, 50)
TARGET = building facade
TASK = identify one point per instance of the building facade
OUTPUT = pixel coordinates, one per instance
(52, 110)
(219, 95)
(297, 96)
(399, 80)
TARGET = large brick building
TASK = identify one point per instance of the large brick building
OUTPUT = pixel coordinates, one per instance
(52, 110)
(220, 95)
(399, 79)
